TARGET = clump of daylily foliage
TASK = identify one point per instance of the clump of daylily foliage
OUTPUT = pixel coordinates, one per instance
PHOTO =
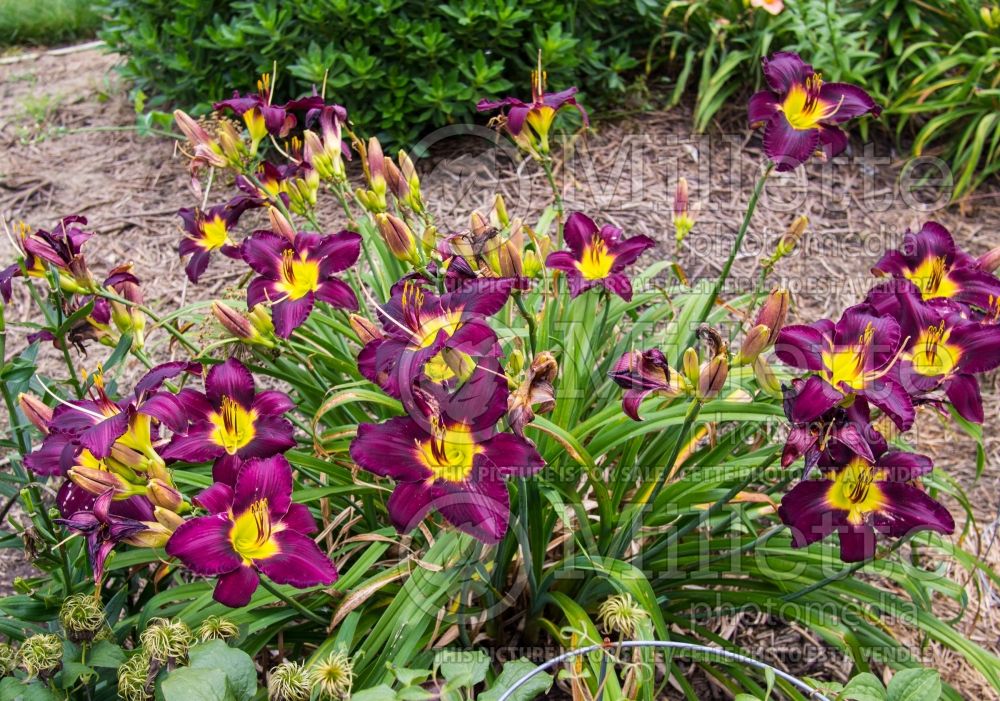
(399, 442)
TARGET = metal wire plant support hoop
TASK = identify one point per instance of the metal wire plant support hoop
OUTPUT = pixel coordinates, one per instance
(688, 647)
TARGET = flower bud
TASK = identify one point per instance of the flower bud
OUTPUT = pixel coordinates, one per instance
(510, 263)
(253, 118)
(365, 329)
(333, 676)
(990, 260)
(166, 640)
(691, 366)
(409, 173)
(217, 628)
(683, 222)
(398, 237)
(41, 655)
(754, 343)
(713, 376)
(194, 132)
(136, 678)
(775, 311)
(532, 265)
(164, 495)
(766, 379)
(234, 322)
(500, 209)
(790, 240)
(260, 317)
(82, 617)
(168, 518)
(397, 185)
(280, 223)
(155, 536)
(97, 481)
(36, 411)
(289, 681)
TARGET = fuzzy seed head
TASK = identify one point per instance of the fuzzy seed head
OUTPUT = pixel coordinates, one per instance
(82, 617)
(41, 655)
(217, 628)
(8, 659)
(289, 681)
(621, 614)
(333, 677)
(166, 639)
(134, 678)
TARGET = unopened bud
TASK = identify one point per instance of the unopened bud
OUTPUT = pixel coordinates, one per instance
(775, 311)
(365, 329)
(376, 166)
(155, 536)
(234, 322)
(36, 411)
(194, 132)
(500, 207)
(766, 379)
(98, 481)
(397, 185)
(683, 222)
(280, 223)
(713, 376)
(790, 240)
(990, 260)
(260, 318)
(162, 494)
(510, 262)
(756, 341)
(691, 366)
(168, 518)
(398, 237)
(532, 264)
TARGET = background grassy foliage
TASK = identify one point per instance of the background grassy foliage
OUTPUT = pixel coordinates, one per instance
(47, 22)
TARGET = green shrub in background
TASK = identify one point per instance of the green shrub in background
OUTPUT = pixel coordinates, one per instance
(934, 65)
(399, 66)
(49, 22)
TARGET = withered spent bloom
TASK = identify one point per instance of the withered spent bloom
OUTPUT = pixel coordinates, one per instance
(536, 394)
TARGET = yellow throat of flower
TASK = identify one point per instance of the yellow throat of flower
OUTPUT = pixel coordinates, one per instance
(234, 426)
(252, 534)
(803, 107)
(216, 235)
(931, 277)
(855, 490)
(449, 452)
(299, 276)
(932, 355)
(596, 262)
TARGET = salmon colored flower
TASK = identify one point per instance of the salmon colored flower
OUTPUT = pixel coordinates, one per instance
(597, 256)
(800, 113)
(253, 528)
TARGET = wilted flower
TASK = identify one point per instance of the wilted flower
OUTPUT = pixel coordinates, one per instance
(621, 614)
(294, 274)
(535, 394)
(289, 681)
(940, 270)
(597, 256)
(529, 123)
(217, 628)
(41, 655)
(103, 531)
(800, 112)
(854, 357)
(333, 677)
(449, 457)
(253, 529)
(231, 422)
(642, 373)
(167, 640)
(859, 498)
(61, 248)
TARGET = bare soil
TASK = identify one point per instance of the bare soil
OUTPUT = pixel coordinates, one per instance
(69, 146)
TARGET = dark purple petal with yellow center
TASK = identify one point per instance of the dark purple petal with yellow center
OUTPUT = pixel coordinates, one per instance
(99, 439)
(289, 314)
(787, 146)
(832, 140)
(54, 456)
(230, 379)
(857, 543)
(806, 512)
(196, 445)
(801, 346)
(298, 518)
(409, 504)
(262, 251)
(851, 102)
(813, 399)
(909, 509)
(236, 588)
(298, 562)
(268, 479)
(901, 466)
(272, 402)
(963, 393)
(216, 499)
(480, 507)
(152, 380)
(761, 108)
(203, 544)
(784, 69)
(508, 455)
(389, 449)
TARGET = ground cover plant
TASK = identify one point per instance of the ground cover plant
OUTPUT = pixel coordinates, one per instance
(397, 449)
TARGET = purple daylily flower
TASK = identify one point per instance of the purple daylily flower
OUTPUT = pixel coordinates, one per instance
(858, 499)
(597, 256)
(422, 328)
(940, 270)
(231, 422)
(448, 456)
(103, 530)
(854, 357)
(944, 350)
(260, 115)
(642, 373)
(294, 274)
(60, 248)
(209, 231)
(800, 113)
(253, 528)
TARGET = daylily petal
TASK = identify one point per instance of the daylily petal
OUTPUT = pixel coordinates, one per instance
(337, 294)
(786, 146)
(338, 252)
(814, 398)
(299, 562)
(273, 435)
(408, 505)
(267, 479)
(800, 346)
(508, 455)
(235, 589)
(851, 102)
(857, 543)
(300, 519)
(479, 508)
(262, 251)
(577, 232)
(272, 402)
(194, 446)
(963, 393)
(890, 396)
(761, 107)
(203, 545)
(389, 449)
(215, 499)
(908, 509)
(289, 314)
(230, 379)
(783, 69)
